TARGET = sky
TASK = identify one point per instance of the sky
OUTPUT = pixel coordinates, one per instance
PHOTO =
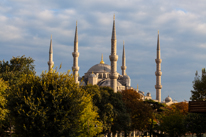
(26, 27)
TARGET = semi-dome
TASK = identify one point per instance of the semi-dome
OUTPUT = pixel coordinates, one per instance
(107, 83)
(99, 68)
(126, 77)
(168, 99)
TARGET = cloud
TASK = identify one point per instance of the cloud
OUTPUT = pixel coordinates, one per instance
(26, 27)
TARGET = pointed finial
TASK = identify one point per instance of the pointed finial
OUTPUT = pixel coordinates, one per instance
(158, 42)
(50, 48)
(123, 42)
(76, 34)
(113, 29)
(102, 62)
(137, 87)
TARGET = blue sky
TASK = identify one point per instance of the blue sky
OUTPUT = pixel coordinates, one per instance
(26, 27)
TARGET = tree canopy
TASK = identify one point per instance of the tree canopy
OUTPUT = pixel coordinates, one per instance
(110, 107)
(199, 85)
(12, 71)
(52, 105)
(3, 88)
(195, 123)
(4, 124)
(140, 112)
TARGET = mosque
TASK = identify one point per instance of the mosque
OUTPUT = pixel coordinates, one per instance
(106, 75)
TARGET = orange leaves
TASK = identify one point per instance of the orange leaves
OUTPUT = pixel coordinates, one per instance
(181, 107)
(140, 112)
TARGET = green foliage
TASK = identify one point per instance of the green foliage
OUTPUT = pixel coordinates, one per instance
(18, 66)
(157, 109)
(173, 124)
(195, 123)
(156, 106)
(110, 107)
(172, 119)
(3, 110)
(4, 124)
(52, 105)
(199, 85)
(11, 73)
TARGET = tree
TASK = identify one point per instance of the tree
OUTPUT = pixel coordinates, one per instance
(3, 88)
(140, 112)
(173, 124)
(4, 125)
(11, 73)
(181, 107)
(52, 105)
(110, 107)
(173, 117)
(157, 108)
(195, 123)
(199, 85)
(18, 66)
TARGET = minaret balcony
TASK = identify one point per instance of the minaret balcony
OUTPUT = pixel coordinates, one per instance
(158, 60)
(113, 57)
(75, 54)
(158, 73)
(50, 63)
(123, 67)
(158, 86)
(114, 76)
(75, 68)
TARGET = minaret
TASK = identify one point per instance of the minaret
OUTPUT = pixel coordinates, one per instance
(75, 54)
(158, 72)
(113, 58)
(123, 67)
(50, 62)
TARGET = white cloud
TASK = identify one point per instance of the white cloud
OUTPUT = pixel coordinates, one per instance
(26, 27)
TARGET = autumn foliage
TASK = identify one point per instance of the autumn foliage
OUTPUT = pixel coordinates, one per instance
(140, 112)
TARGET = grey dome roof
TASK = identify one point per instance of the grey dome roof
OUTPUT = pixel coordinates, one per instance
(92, 75)
(141, 92)
(107, 83)
(168, 99)
(148, 94)
(99, 68)
(126, 77)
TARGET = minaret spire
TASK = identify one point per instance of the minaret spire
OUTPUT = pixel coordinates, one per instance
(158, 72)
(50, 62)
(113, 58)
(114, 29)
(123, 67)
(75, 54)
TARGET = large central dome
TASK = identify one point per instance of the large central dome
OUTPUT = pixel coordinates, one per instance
(100, 68)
